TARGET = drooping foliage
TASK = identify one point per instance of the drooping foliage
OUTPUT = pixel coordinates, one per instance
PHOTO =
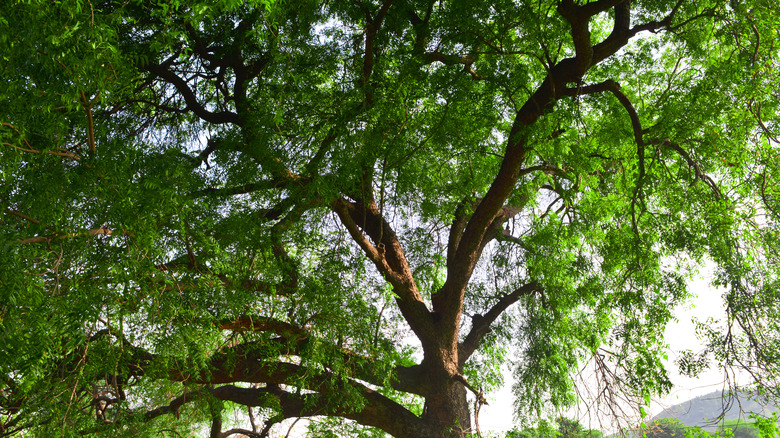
(220, 214)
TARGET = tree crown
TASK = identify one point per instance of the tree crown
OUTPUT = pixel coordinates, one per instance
(361, 210)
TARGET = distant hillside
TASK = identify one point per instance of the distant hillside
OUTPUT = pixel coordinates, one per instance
(703, 410)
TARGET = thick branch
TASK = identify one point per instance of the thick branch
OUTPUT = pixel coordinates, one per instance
(243, 432)
(462, 214)
(25, 217)
(174, 406)
(90, 123)
(578, 20)
(385, 251)
(487, 217)
(373, 25)
(622, 30)
(378, 411)
(619, 36)
(636, 126)
(480, 325)
(374, 253)
(190, 98)
(255, 362)
(249, 362)
(552, 88)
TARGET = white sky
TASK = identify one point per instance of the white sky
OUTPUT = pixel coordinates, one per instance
(680, 335)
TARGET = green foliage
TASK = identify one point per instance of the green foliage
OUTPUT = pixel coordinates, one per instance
(563, 427)
(740, 429)
(767, 426)
(666, 428)
(542, 429)
(366, 210)
(672, 427)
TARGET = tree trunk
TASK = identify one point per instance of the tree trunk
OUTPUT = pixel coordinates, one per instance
(448, 411)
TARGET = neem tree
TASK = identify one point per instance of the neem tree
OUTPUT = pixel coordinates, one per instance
(359, 210)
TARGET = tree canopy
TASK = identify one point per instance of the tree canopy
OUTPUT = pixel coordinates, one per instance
(220, 214)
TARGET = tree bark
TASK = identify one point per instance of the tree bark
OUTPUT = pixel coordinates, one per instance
(447, 411)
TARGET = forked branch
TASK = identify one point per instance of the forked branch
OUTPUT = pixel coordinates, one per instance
(480, 324)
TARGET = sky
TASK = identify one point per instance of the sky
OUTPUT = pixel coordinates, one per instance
(680, 335)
